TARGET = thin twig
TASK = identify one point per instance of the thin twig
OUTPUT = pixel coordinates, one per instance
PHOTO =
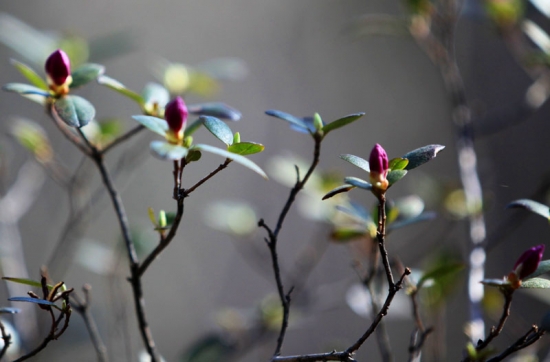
(222, 166)
(6, 338)
(533, 335)
(495, 331)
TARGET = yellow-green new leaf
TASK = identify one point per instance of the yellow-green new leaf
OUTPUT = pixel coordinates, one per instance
(120, 88)
(30, 74)
(233, 156)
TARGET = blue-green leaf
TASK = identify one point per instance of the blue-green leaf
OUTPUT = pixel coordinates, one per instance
(395, 175)
(215, 109)
(338, 190)
(219, 129)
(544, 267)
(422, 155)
(31, 300)
(342, 122)
(75, 111)
(413, 220)
(233, 156)
(357, 182)
(537, 283)
(154, 124)
(287, 117)
(356, 161)
(154, 93)
(23, 88)
(168, 151)
(120, 88)
(30, 74)
(85, 74)
(533, 206)
(9, 310)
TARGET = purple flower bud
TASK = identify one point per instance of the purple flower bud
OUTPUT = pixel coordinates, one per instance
(528, 262)
(378, 162)
(175, 114)
(58, 67)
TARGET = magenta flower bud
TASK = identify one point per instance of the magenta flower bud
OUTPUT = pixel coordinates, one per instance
(528, 262)
(58, 67)
(378, 163)
(175, 115)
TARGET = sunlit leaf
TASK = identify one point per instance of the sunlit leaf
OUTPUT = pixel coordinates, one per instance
(25, 281)
(338, 190)
(30, 74)
(154, 124)
(357, 182)
(75, 111)
(422, 155)
(215, 109)
(86, 73)
(342, 122)
(246, 148)
(398, 163)
(356, 161)
(168, 151)
(219, 129)
(537, 283)
(31, 300)
(544, 267)
(120, 88)
(395, 175)
(533, 206)
(235, 157)
(287, 117)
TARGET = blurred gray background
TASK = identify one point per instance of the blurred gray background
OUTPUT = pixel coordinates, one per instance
(301, 60)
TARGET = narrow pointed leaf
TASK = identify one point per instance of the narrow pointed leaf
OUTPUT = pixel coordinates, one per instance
(30, 74)
(155, 93)
(246, 148)
(356, 161)
(396, 175)
(533, 206)
(422, 155)
(398, 164)
(337, 190)
(339, 123)
(544, 267)
(86, 73)
(287, 117)
(215, 109)
(23, 88)
(357, 182)
(74, 110)
(219, 129)
(237, 158)
(494, 282)
(25, 281)
(168, 151)
(537, 283)
(413, 220)
(9, 310)
(31, 300)
(154, 124)
(120, 88)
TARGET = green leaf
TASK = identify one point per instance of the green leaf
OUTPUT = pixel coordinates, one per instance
(168, 151)
(8, 310)
(193, 155)
(86, 73)
(233, 156)
(25, 281)
(441, 271)
(356, 161)
(193, 127)
(219, 129)
(347, 234)
(342, 122)
(246, 148)
(357, 182)
(544, 267)
(337, 190)
(154, 93)
(30, 74)
(22, 88)
(537, 283)
(75, 111)
(215, 109)
(532, 206)
(495, 282)
(395, 175)
(287, 117)
(120, 88)
(422, 155)
(154, 124)
(31, 300)
(398, 164)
